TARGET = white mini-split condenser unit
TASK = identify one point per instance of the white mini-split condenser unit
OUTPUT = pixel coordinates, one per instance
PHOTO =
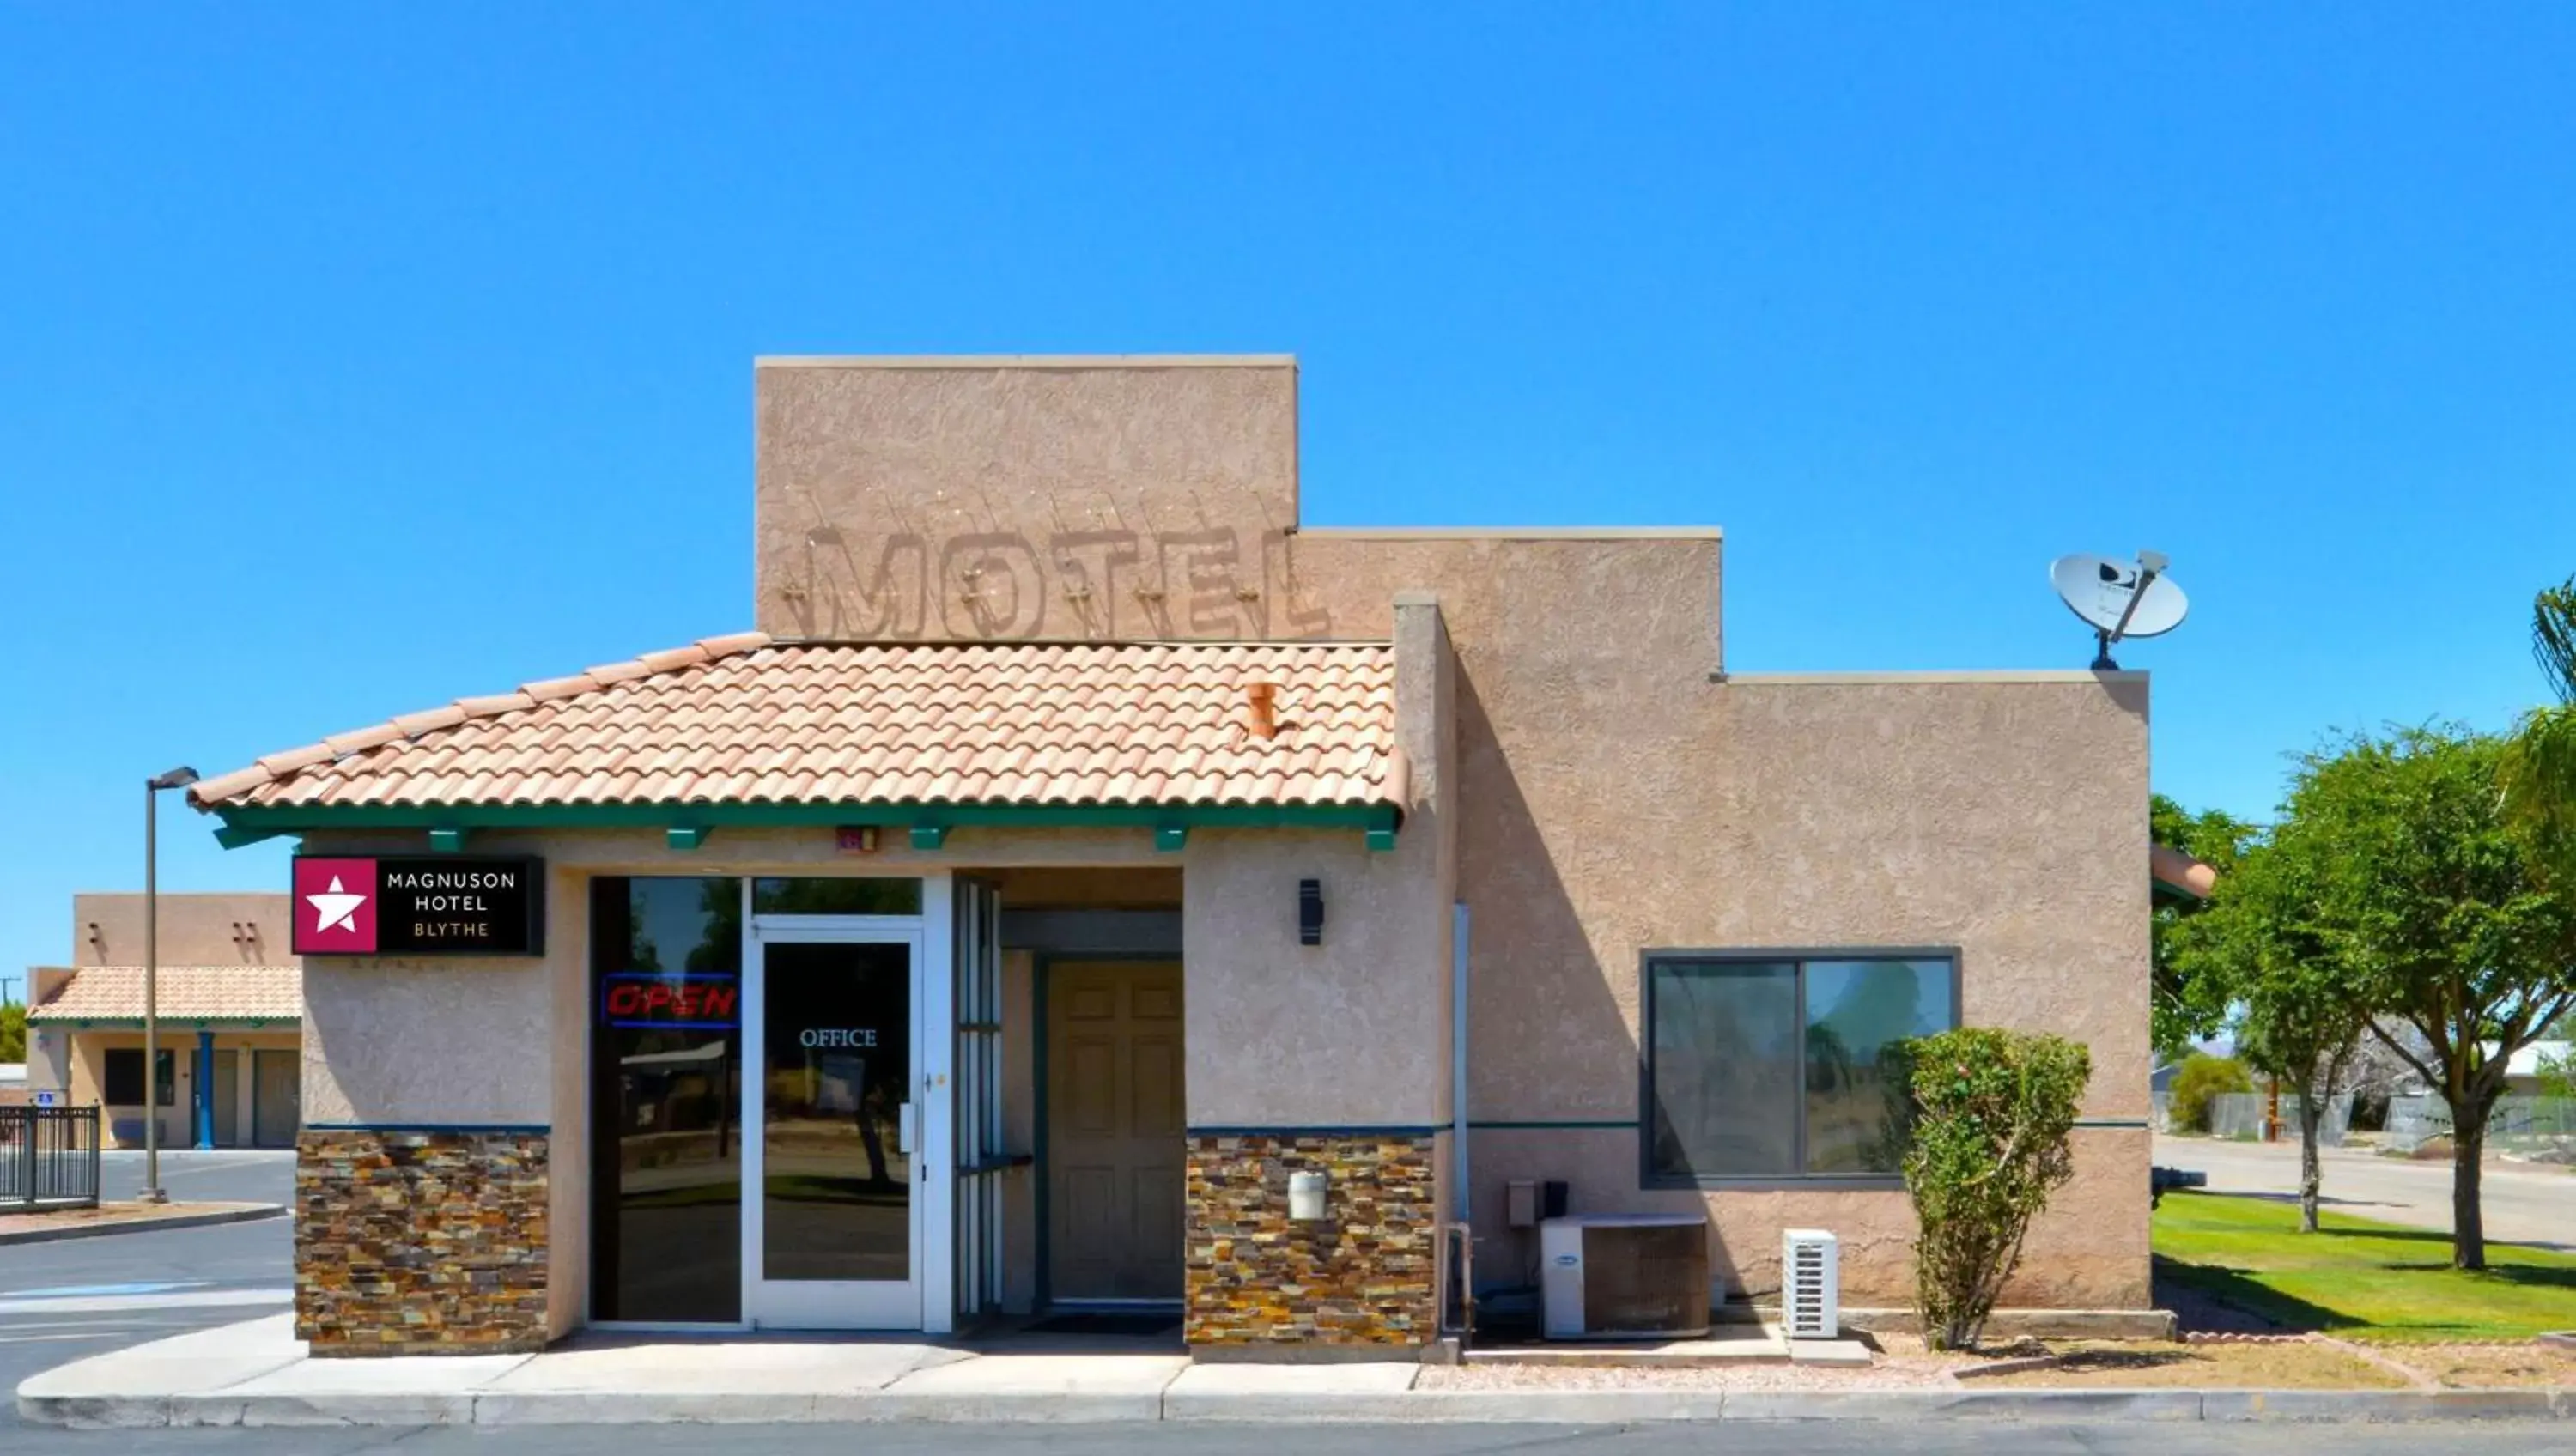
(1626, 1276)
(1811, 1292)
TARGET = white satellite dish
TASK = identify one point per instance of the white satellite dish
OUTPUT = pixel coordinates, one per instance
(2119, 599)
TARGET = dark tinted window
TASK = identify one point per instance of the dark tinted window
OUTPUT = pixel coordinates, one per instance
(1776, 1068)
(121, 1078)
(666, 1094)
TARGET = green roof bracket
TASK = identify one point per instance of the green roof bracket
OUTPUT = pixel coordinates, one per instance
(929, 836)
(1381, 829)
(446, 841)
(686, 838)
(1171, 838)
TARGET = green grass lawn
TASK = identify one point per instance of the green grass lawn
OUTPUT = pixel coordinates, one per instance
(2356, 1276)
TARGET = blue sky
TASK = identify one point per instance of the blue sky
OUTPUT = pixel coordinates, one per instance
(356, 358)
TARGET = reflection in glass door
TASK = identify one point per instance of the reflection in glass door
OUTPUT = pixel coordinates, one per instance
(837, 1242)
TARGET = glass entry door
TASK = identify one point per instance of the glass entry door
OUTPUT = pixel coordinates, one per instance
(832, 1218)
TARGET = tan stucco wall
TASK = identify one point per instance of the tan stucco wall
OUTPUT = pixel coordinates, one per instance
(1079, 498)
(1354, 1032)
(1614, 798)
(2081, 1255)
(2004, 819)
(222, 929)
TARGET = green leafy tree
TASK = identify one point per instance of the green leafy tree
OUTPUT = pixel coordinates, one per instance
(2302, 1018)
(2539, 770)
(2190, 1002)
(13, 1033)
(2201, 1078)
(1989, 1112)
(2558, 1076)
(2442, 917)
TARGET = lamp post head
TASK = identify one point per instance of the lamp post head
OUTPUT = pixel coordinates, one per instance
(177, 778)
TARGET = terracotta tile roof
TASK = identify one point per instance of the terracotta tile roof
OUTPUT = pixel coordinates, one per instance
(182, 993)
(2180, 872)
(749, 719)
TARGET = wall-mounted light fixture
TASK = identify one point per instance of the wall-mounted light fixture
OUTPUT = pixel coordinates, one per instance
(1305, 1197)
(1310, 912)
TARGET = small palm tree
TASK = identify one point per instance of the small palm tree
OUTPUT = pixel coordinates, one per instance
(2540, 764)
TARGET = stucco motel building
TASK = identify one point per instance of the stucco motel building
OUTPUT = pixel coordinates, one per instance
(1081, 847)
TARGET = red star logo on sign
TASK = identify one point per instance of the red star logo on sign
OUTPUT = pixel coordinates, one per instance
(335, 906)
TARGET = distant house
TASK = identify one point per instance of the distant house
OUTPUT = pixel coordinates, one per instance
(2522, 1073)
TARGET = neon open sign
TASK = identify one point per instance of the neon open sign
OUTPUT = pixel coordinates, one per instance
(646, 1002)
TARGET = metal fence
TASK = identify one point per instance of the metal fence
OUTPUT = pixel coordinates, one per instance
(2514, 1124)
(48, 1158)
(2239, 1115)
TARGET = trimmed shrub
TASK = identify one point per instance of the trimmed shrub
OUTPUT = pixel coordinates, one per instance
(1989, 1114)
(2201, 1078)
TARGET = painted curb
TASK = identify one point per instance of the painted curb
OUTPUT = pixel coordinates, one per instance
(260, 1214)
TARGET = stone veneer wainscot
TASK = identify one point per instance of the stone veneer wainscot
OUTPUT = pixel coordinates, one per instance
(1365, 1275)
(418, 1242)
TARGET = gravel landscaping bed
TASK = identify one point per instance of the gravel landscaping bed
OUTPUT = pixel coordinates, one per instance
(2487, 1367)
(2305, 1365)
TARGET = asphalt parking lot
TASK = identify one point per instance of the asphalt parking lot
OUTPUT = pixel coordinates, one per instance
(68, 1298)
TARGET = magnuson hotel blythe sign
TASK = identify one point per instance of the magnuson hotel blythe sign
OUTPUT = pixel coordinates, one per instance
(436, 905)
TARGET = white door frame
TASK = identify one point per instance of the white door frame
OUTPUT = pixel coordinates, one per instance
(926, 1304)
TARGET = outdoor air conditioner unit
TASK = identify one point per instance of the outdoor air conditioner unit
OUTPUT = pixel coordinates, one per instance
(1810, 1285)
(1635, 1276)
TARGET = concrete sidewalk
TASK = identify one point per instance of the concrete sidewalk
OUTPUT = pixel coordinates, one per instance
(258, 1374)
(128, 1218)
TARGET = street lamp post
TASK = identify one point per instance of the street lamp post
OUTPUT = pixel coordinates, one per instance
(177, 778)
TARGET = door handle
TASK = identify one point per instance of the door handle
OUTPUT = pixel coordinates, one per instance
(903, 1130)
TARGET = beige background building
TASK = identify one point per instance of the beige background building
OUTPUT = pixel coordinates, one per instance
(230, 1008)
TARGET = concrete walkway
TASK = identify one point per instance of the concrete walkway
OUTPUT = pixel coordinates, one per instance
(258, 1374)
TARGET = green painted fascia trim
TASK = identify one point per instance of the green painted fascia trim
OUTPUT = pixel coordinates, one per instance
(168, 1023)
(248, 824)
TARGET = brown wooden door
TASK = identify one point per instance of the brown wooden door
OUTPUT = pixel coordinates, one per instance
(1115, 1142)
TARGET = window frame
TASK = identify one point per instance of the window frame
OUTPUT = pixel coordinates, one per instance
(1798, 957)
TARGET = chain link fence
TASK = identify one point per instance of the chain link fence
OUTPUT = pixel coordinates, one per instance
(2239, 1116)
(2539, 1128)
